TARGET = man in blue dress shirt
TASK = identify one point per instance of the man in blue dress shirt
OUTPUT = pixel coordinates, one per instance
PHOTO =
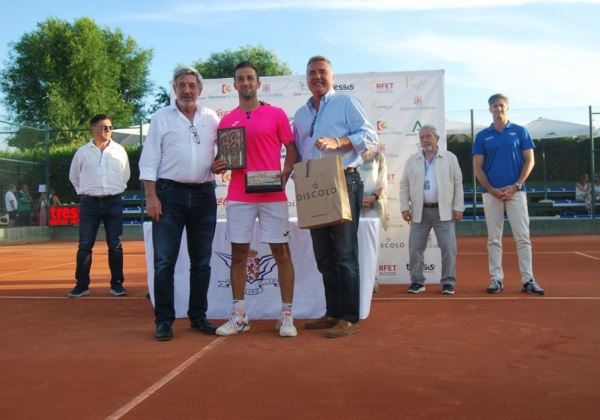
(335, 124)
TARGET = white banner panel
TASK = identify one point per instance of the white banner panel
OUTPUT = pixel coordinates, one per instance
(397, 104)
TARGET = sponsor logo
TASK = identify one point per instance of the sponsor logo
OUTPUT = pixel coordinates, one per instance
(221, 112)
(426, 267)
(388, 269)
(64, 215)
(265, 87)
(382, 86)
(391, 177)
(381, 125)
(416, 126)
(414, 83)
(390, 244)
(226, 177)
(417, 100)
(343, 86)
(226, 89)
(381, 147)
(259, 272)
(316, 192)
(380, 109)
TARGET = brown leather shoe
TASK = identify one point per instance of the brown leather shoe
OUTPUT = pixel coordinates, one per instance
(342, 329)
(321, 323)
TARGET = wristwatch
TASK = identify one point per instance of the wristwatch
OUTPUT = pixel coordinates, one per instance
(519, 186)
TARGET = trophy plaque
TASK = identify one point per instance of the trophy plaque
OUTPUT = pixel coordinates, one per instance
(263, 181)
(231, 146)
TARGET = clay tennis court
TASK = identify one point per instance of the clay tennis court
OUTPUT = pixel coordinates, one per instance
(467, 356)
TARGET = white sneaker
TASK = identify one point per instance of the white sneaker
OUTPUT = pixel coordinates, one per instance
(286, 325)
(237, 323)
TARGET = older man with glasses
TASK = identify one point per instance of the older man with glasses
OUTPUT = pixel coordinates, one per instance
(175, 166)
(99, 172)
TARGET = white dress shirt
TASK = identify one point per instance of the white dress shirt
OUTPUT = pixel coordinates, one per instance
(100, 172)
(171, 151)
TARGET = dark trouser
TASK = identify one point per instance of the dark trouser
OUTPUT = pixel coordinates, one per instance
(195, 208)
(336, 253)
(92, 211)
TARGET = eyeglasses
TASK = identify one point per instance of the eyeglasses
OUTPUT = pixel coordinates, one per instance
(195, 134)
(104, 127)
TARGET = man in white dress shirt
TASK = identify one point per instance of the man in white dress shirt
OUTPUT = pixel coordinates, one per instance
(99, 172)
(175, 166)
(431, 197)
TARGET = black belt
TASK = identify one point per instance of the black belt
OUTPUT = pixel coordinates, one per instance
(430, 205)
(350, 170)
(101, 197)
(185, 185)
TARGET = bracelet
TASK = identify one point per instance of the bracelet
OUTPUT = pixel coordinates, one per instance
(337, 140)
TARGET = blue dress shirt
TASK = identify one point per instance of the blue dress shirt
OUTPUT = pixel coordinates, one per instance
(339, 115)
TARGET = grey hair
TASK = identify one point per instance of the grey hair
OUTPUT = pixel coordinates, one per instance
(185, 70)
(497, 96)
(316, 58)
(432, 128)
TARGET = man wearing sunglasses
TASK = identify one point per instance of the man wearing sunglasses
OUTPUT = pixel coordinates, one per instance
(99, 172)
(175, 166)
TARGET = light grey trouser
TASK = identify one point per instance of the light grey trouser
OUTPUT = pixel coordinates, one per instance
(417, 242)
(518, 217)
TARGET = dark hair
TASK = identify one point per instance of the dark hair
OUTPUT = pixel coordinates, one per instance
(99, 117)
(497, 96)
(243, 65)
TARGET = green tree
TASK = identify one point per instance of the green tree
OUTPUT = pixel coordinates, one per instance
(222, 64)
(62, 73)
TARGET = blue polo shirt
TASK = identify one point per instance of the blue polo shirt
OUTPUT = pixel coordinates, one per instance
(503, 153)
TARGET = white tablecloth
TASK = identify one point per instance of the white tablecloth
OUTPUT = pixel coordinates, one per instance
(263, 299)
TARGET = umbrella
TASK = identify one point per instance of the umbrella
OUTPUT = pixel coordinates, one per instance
(130, 135)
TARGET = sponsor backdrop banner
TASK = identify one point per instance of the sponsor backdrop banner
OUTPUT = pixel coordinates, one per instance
(397, 104)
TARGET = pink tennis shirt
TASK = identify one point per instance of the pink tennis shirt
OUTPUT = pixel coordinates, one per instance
(267, 128)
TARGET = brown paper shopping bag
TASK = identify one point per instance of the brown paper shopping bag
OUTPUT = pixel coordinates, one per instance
(321, 193)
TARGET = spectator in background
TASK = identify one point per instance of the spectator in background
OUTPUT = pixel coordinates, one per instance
(43, 209)
(54, 200)
(99, 172)
(25, 203)
(597, 187)
(583, 191)
(373, 172)
(10, 202)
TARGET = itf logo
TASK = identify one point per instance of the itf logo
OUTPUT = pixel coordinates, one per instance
(257, 271)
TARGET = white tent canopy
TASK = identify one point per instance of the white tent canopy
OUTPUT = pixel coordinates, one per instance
(544, 128)
(130, 135)
(456, 127)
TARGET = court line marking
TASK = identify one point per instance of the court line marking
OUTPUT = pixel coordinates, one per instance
(587, 256)
(164, 380)
(35, 269)
(81, 298)
(538, 298)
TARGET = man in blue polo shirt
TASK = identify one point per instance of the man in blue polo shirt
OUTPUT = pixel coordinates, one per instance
(503, 159)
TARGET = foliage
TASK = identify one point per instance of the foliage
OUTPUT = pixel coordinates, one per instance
(222, 64)
(161, 98)
(61, 74)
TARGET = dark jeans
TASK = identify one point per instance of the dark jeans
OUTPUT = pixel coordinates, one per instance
(92, 211)
(195, 208)
(336, 253)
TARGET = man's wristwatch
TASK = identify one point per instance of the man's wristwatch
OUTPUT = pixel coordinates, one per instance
(519, 186)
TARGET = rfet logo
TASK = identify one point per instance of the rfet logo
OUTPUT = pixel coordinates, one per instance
(381, 125)
(225, 88)
(381, 86)
(258, 270)
(64, 215)
(388, 269)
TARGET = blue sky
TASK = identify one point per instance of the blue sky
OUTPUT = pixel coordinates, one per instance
(543, 54)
